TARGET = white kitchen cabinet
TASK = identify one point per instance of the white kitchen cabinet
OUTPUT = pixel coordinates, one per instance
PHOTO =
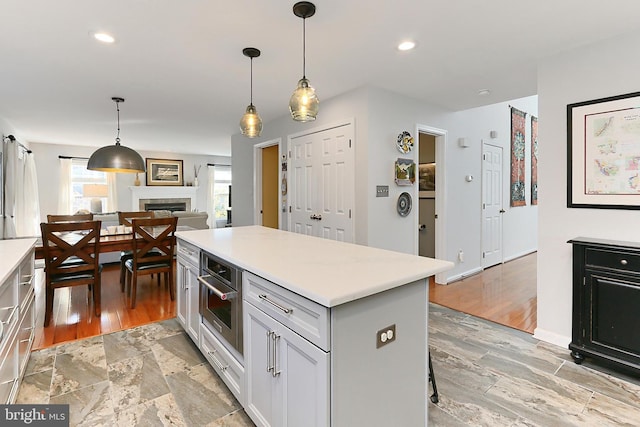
(16, 314)
(188, 289)
(287, 376)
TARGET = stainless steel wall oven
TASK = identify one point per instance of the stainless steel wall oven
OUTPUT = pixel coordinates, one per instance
(221, 298)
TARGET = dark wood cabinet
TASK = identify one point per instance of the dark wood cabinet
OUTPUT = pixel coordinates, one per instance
(606, 302)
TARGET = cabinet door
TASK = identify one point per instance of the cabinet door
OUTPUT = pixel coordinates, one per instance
(181, 294)
(613, 303)
(193, 304)
(261, 396)
(303, 381)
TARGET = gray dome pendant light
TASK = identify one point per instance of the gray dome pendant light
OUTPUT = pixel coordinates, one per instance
(251, 123)
(304, 103)
(116, 158)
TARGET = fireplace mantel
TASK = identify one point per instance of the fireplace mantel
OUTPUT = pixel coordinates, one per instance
(162, 192)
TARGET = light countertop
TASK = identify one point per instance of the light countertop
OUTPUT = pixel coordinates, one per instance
(12, 252)
(325, 271)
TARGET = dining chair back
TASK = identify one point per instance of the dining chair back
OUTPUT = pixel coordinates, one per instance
(70, 218)
(153, 248)
(124, 218)
(71, 252)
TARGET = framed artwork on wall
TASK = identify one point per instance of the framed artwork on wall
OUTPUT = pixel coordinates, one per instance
(603, 153)
(405, 172)
(164, 172)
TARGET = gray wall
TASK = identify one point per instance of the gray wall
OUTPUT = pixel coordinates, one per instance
(596, 71)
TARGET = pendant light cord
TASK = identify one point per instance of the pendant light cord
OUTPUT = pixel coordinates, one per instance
(251, 84)
(304, 48)
(118, 110)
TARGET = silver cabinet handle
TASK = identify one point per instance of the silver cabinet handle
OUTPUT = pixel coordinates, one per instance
(275, 372)
(269, 367)
(624, 262)
(265, 298)
(29, 279)
(216, 361)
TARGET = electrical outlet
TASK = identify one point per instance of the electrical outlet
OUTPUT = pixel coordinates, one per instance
(385, 336)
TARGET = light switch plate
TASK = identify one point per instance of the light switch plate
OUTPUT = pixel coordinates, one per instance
(382, 191)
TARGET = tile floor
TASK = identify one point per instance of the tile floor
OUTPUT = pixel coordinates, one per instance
(487, 375)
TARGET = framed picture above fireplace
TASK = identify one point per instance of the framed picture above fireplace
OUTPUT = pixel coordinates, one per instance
(164, 172)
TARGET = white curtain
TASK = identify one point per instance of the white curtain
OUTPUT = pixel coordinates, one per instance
(211, 220)
(10, 178)
(27, 204)
(112, 192)
(64, 188)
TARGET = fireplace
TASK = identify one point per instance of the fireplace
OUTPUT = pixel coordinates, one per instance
(173, 204)
(147, 198)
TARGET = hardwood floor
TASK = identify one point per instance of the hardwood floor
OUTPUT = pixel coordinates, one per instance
(73, 316)
(505, 294)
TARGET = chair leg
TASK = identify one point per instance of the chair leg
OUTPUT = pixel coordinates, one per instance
(168, 278)
(132, 290)
(48, 311)
(123, 271)
(432, 379)
(97, 296)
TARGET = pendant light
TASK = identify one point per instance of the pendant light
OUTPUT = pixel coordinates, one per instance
(251, 123)
(304, 103)
(116, 158)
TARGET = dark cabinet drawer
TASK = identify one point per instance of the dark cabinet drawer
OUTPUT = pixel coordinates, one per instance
(612, 259)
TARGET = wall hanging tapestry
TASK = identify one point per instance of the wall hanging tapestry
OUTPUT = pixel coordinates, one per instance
(518, 120)
(534, 160)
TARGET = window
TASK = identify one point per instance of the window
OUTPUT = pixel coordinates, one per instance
(87, 187)
(219, 195)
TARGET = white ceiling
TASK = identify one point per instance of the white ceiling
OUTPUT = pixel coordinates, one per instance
(180, 68)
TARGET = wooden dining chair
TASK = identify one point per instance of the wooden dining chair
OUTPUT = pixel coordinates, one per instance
(150, 234)
(71, 252)
(70, 218)
(124, 218)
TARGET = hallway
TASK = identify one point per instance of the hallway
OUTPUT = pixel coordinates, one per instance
(505, 294)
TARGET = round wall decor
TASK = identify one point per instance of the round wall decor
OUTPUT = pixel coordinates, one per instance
(404, 204)
(404, 142)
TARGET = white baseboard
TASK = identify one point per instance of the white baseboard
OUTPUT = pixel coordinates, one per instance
(463, 275)
(551, 337)
(520, 255)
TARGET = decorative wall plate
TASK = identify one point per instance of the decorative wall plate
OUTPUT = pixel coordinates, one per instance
(405, 172)
(404, 142)
(404, 204)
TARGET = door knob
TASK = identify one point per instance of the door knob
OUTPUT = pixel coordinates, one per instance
(502, 210)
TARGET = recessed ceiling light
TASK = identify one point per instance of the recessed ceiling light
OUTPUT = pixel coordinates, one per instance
(104, 37)
(484, 92)
(408, 45)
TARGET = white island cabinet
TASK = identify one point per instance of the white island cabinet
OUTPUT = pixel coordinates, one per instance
(17, 277)
(187, 295)
(335, 334)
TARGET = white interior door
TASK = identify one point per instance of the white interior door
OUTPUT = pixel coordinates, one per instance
(491, 205)
(322, 181)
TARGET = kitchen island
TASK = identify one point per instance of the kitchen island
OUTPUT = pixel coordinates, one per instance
(333, 333)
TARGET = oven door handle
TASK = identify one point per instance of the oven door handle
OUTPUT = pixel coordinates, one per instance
(224, 296)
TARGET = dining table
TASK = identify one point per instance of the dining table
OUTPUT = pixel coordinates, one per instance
(108, 242)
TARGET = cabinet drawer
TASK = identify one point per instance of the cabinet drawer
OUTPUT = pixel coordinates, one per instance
(225, 365)
(612, 259)
(8, 306)
(303, 316)
(8, 373)
(188, 252)
(25, 279)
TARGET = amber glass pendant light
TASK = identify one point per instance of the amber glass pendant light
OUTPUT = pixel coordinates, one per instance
(304, 103)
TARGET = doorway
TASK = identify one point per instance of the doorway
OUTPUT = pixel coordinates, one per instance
(266, 199)
(437, 138)
(427, 195)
